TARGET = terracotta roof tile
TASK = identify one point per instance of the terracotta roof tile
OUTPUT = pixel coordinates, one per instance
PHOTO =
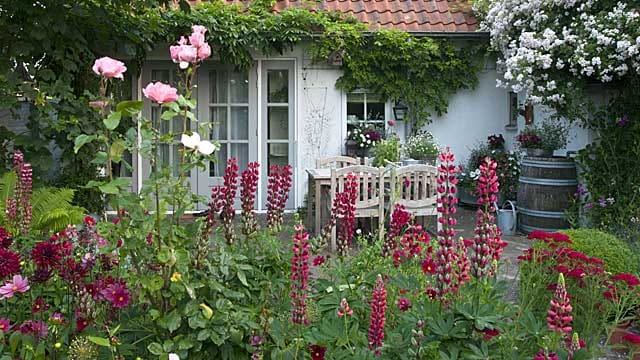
(409, 15)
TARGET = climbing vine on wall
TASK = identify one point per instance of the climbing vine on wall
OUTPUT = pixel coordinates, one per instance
(422, 71)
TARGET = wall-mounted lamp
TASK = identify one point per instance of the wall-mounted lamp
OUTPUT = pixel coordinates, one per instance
(400, 110)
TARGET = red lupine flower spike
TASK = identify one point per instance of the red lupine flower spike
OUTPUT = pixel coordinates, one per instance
(445, 255)
(299, 275)
(377, 318)
(248, 187)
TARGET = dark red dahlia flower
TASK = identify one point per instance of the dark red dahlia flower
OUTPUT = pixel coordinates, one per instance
(46, 254)
(9, 263)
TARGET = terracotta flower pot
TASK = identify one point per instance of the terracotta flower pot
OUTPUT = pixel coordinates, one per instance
(617, 338)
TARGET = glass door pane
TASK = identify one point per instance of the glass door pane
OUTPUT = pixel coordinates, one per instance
(278, 118)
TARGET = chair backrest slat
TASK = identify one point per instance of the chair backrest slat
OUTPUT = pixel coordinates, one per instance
(416, 185)
(336, 162)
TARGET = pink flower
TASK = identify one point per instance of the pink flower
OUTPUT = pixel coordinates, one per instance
(160, 93)
(632, 338)
(196, 39)
(204, 51)
(5, 325)
(34, 327)
(248, 187)
(185, 55)
(404, 304)
(559, 314)
(344, 308)
(377, 318)
(391, 122)
(344, 208)
(318, 260)
(487, 243)
(109, 68)
(97, 104)
(224, 198)
(399, 218)
(446, 202)
(11, 287)
(278, 186)
(299, 275)
(198, 29)
(117, 294)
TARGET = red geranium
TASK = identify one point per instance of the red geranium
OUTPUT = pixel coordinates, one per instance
(317, 352)
(630, 279)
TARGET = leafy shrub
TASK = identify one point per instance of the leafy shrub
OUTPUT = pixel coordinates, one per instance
(615, 253)
(386, 150)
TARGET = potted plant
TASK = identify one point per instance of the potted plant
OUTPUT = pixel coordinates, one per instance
(360, 139)
(543, 140)
(386, 151)
(422, 146)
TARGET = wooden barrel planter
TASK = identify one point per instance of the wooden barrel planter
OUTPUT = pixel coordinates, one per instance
(545, 189)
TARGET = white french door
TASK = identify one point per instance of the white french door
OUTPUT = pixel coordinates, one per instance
(277, 119)
(252, 116)
(168, 155)
(228, 101)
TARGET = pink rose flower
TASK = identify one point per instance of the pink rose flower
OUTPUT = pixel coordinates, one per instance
(391, 122)
(196, 39)
(174, 50)
(199, 29)
(160, 93)
(109, 68)
(204, 51)
(187, 54)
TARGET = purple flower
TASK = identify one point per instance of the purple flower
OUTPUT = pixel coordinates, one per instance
(602, 202)
(11, 287)
(623, 121)
(580, 191)
(588, 206)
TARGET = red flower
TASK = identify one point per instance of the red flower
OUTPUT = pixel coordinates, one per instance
(446, 206)
(39, 305)
(317, 352)
(428, 266)
(404, 304)
(82, 323)
(630, 279)
(5, 238)
(559, 314)
(546, 355)
(46, 254)
(489, 333)
(34, 327)
(278, 186)
(399, 218)
(318, 260)
(377, 318)
(9, 263)
(431, 292)
(248, 185)
(632, 338)
(89, 221)
(224, 197)
(117, 294)
(577, 273)
(299, 275)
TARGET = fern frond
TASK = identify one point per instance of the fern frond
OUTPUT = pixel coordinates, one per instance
(52, 209)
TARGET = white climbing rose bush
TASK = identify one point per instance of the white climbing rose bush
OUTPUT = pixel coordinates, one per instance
(551, 48)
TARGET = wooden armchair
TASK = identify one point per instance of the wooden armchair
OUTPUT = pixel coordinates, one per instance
(415, 187)
(370, 202)
(336, 162)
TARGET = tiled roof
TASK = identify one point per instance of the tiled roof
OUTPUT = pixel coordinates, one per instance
(429, 16)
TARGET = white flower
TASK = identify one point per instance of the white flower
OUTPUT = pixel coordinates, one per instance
(193, 142)
(174, 356)
(358, 231)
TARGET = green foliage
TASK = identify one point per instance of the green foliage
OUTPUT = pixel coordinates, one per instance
(611, 166)
(386, 151)
(52, 208)
(615, 253)
(422, 71)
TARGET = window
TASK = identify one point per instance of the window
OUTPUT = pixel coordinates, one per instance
(365, 109)
(229, 109)
(168, 154)
(512, 122)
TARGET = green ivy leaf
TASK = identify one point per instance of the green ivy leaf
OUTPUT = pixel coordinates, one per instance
(81, 140)
(113, 120)
(99, 341)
